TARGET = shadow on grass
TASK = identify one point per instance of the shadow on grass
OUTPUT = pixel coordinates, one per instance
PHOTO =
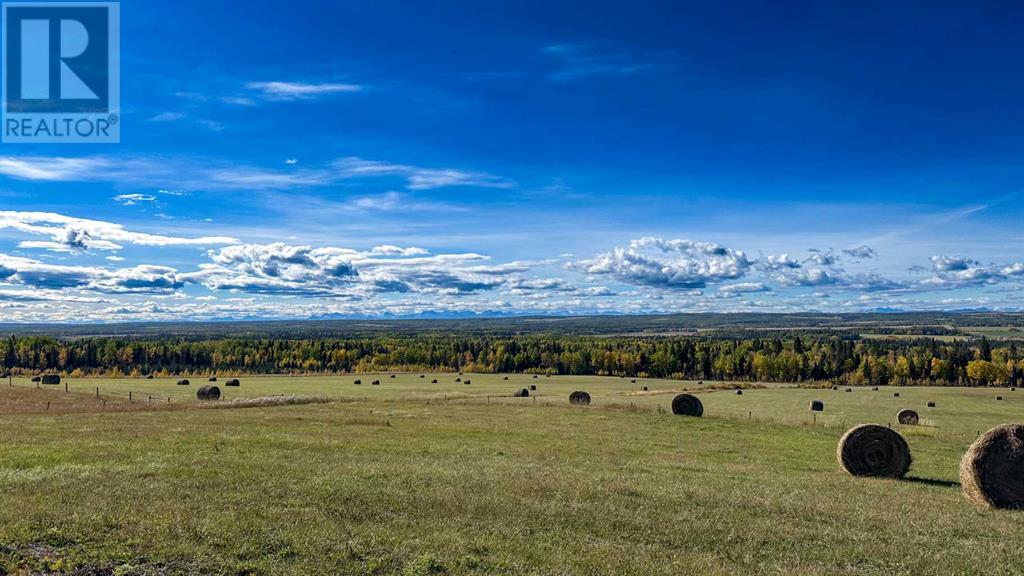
(932, 482)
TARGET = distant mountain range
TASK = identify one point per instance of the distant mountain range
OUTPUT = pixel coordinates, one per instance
(884, 320)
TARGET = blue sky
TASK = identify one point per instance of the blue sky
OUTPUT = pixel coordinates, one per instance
(330, 159)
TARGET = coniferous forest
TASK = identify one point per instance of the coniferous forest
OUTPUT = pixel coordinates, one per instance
(781, 358)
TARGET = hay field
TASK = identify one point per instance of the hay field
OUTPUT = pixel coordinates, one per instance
(416, 478)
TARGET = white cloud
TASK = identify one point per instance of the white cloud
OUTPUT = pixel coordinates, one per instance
(52, 169)
(744, 288)
(1015, 269)
(386, 201)
(38, 295)
(277, 90)
(861, 252)
(238, 100)
(68, 233)
(823, 257)
(280, 280)
(779, 262)
(679, 264)
(388, 250)
(133, 199)
(36, 274)
(168, 117)
(208, 175)
(807, 277)
(283, 269)
(952, 263)
(418, 178)
(960, 271)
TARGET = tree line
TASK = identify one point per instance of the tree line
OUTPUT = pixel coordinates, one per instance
(796, 358)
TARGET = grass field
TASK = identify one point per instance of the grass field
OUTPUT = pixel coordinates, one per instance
(412, 478)
(996, 332)
(937, 337)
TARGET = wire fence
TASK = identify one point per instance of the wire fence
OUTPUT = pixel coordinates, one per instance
(102, 396)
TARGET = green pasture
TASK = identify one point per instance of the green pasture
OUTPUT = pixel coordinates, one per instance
(415, 478)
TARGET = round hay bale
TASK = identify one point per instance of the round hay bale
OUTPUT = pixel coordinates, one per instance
(739, 392)
(212, 379)
(468, 381)
(687, 405)
(434, 381)
(999, 397)
(533, 387)
(183, 382)
(357, 382)
(392, 376)
(535, 376)
(208, 393)
(872, 450)
(36, 378)
(505, 378)
(524, 393)
(895, 394)
(51, 379)
(907, 417)
(150, 377)
(990, 471)
(1013, 389)
(931, 404)
(817, 406)
(423, 375)
(233, 382)
(579, 398)
(375, 383)
(849, 389)
(632, 381)
(645, 388)
(835, 387)
(875, 388)
(458, 379)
